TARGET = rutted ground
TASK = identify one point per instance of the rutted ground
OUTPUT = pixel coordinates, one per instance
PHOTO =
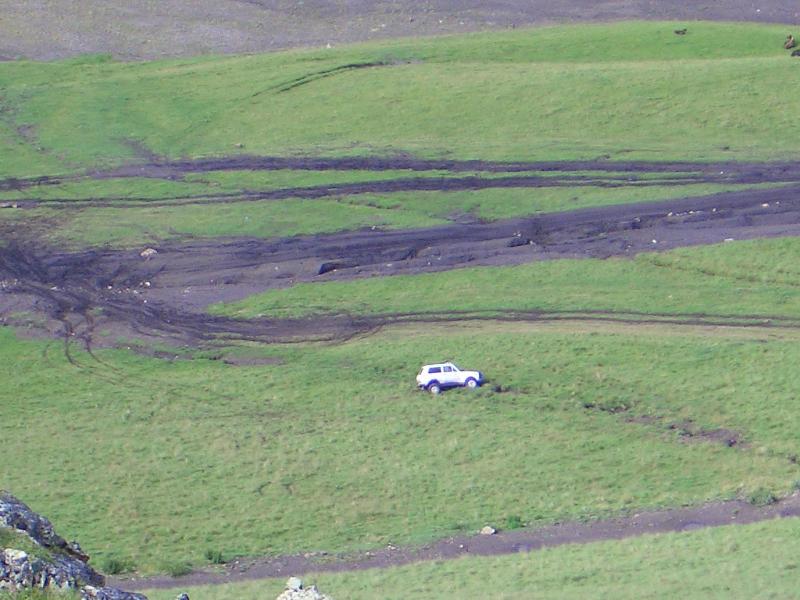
(164, 295)
(81, 295)
(553, 174)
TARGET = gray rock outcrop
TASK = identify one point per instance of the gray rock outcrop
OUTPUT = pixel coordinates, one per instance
(92, 593)
(62, 565)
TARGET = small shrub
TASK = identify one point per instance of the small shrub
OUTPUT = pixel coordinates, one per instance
(215, 557)
(177, 569)
(762, 497)
(514, 522)
(114, 566)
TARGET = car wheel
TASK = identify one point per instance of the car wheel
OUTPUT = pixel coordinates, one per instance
(471, 383)
(434, 388)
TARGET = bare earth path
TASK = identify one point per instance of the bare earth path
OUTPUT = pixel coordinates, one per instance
(509, 542)
(164, 297)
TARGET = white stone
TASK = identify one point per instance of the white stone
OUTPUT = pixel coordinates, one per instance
(294, 583)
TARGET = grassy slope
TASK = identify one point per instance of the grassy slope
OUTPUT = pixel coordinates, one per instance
(753, 561)
(138, 225)
(525, 94)
(173, 459)
(623, 91)
(757, 277)
(306, 455)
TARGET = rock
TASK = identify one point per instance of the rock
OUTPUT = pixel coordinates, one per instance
(93, 593)
(19, 571)
(294, 584)
(296, 591)
(183, 597)
(17, 515)
(488, 530)
(515, 242)
(327, 267)
(65, 567)
(148, 253)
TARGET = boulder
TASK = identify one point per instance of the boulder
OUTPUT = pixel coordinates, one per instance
(295, 590)
(93, 593)
(62, 566)
(67, 557)
(488, 530)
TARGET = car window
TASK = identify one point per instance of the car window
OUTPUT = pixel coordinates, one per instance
(435, 370)
(448, 369)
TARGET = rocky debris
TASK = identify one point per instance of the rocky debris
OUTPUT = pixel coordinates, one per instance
(14, 514)
(488, 530)
(62, 566)
(20, 571)
(93, 593)
(296, 591)
(148, 253)
(327, 267)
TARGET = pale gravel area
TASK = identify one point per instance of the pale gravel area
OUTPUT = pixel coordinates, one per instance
(145, 29)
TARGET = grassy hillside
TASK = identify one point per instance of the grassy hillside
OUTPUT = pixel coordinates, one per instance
(633, 90)
(158, 464)
(335, 450)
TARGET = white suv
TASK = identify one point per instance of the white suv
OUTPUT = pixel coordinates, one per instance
(435, 378)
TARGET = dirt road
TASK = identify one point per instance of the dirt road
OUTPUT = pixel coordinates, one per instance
(714, 514)
(164, 297)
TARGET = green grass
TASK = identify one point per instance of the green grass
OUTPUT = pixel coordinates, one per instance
(37, 594)
(334, 450)
(737, 279)
(125, 226)
(159, 465)
(10, 538)
(738, 561)
(627, 90)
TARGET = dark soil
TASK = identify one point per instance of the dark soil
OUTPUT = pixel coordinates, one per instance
(162, 298)
(714, 514)
(561, 174)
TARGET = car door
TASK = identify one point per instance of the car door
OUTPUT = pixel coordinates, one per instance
(449, 375)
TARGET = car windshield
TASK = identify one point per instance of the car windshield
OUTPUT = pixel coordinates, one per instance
(455, 368)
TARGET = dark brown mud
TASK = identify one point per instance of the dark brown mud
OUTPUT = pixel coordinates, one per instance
(178, 168)
(558, 174)
(462, 175)
(714, 514)
(164, 297)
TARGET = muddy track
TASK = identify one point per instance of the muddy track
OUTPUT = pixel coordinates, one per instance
(163, 298)
(390, 186)
(714, 514)
(177, 168)
(620, 172)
